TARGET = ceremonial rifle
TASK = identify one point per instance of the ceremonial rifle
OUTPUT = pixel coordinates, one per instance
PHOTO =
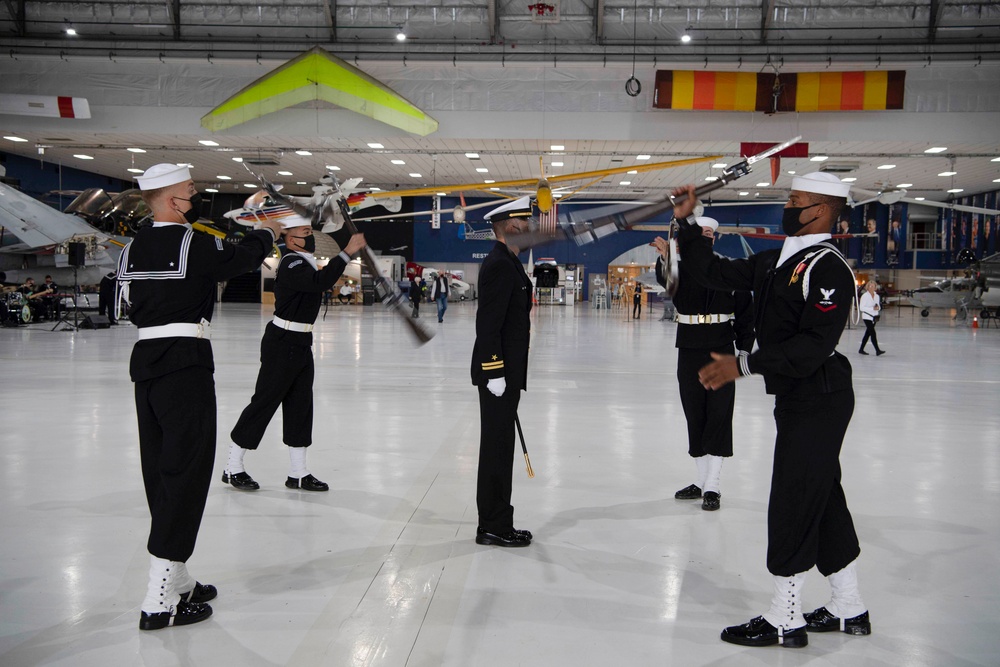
(388, 293)
(583, 228)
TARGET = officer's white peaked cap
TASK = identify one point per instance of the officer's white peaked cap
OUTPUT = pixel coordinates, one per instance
(163, 175)
(294, 220)
(821, 183)
(707, 222)
(519, 208)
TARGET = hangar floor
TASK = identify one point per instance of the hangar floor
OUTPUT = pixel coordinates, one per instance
(383, 570)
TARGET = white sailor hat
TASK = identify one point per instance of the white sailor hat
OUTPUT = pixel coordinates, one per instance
(707, 222)
(294, 220)
(518, 208)
(821, 183)
(161, 175)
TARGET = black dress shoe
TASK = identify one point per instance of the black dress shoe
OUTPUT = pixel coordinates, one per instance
(523, 533)
(758, 632)
(185, 613)
(241, 481)
(307, 483)
(200, 593)
(879, 353)
(821, 620)
(511, 538)
(688, 493)
(862, 352)
(712, 501)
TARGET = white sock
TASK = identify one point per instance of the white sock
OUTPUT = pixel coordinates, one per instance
(786, 603)
(161, 595)
(702, 463)
(846, 599)
(235, 464)
(714, 464)
(183, 581)
(297, 460)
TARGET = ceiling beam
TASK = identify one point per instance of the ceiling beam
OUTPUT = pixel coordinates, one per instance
(934, 19)
(766, 15)
(599, 22)
(493, 14)
(331, 16)
(174, 11)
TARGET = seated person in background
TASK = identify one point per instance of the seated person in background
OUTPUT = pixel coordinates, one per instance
(48, 302)
(345, 293)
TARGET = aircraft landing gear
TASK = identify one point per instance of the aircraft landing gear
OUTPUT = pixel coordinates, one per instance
(925, 312)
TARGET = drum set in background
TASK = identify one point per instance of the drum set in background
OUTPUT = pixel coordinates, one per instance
(14, 308)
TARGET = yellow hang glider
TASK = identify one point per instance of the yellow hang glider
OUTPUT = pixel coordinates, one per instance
(319, 75)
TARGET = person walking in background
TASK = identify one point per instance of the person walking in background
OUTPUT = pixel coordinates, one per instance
(415, 294)
(439, 293)
(871, 307)
(637, 301)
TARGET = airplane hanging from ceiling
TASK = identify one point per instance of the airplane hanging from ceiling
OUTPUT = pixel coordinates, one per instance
(890, 195)
(34, 240)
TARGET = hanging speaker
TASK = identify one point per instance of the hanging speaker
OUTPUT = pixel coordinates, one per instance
(77, 254)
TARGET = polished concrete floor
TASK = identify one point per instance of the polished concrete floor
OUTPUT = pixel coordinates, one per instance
(383, 570)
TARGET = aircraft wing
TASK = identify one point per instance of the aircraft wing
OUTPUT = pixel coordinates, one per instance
(32, 226)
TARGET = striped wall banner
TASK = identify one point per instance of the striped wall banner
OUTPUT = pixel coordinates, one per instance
(770, 92)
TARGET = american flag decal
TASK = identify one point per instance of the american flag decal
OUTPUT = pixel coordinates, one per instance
(547, 221)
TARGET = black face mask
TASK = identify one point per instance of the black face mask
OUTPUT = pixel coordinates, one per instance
(790, 224)
(309, 244)
(192, 214)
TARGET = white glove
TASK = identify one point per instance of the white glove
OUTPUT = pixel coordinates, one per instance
(497, 386)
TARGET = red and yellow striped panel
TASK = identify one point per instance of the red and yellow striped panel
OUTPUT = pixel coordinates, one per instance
(812, 91)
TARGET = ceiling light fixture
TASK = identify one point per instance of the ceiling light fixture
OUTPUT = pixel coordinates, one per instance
(375, 145)
(744, 194)
(947, 173)
(918, 198)
(905, 185)
(792, 172)
(398, 161)
(84, 157)
(719, 165)
(472, 156)
(482, 170)
(632, 171)
(250, 185)
(237, 159)
(208, 142)
(763, 185)
(135, 171)
(819, 158)
(955, 190)
(936, 149)
(848, 179)
(303, 153)
(224, 178)
(557, 164)
(136, 150)
(555, 147)
(415, 175)
(625, 183)
(489, 180)
(642, 157)
(71, 32)
(285, 173)
(213, 190)
(15, 139)
(686, 35)
(711, 178)
(400, 35)
(886, 166)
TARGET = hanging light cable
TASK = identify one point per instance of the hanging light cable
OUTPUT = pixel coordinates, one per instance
(632, 86)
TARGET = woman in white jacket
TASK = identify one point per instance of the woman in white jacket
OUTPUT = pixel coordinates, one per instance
(871, 306)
